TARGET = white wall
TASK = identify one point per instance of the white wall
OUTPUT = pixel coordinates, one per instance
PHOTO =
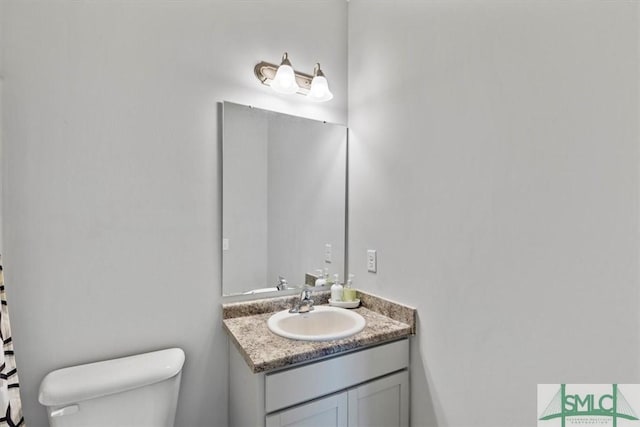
(112, 211)
(494, 166)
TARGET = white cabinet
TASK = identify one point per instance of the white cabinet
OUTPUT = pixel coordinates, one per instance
(383, 402)
(326, 412)
(369, 387)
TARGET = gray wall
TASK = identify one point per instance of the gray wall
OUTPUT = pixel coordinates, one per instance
(111, 165)
(494, 166)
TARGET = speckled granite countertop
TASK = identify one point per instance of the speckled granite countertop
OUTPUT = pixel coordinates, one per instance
(246, 324)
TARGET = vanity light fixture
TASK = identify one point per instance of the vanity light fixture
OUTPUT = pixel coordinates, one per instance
(319, 90)
(284, 79)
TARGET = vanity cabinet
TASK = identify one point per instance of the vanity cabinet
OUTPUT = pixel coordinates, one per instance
(328, 411)
(362, 388)
(382, 402)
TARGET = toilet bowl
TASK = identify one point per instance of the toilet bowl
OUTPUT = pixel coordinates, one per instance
(140, 391)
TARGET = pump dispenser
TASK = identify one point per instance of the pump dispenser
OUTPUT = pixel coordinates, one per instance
(320, 281)
(336, 289)
(327, 278)
(349, 294)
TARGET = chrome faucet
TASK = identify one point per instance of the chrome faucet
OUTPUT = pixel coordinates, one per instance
(282, 283)
(305, 304)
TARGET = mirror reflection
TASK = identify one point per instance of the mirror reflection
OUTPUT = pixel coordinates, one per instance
(283, 200)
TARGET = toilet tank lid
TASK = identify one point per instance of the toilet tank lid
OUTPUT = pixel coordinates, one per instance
(83, 382)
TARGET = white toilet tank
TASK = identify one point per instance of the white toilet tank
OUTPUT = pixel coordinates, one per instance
(135, 391)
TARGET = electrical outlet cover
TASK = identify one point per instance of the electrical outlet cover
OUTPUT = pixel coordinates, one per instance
(327, 253)
(372, 261)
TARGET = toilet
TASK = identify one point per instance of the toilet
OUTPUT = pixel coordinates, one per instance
(140, 391)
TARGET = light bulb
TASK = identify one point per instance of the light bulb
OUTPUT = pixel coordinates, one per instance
(319, 90)
(285, 79)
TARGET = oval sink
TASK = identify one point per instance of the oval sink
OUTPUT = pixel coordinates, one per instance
(322, 324)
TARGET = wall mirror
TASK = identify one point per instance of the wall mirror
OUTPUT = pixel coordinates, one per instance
(283, 199)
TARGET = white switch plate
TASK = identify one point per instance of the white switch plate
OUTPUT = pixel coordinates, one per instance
(372, 261)
(327, 253)
(225, 244)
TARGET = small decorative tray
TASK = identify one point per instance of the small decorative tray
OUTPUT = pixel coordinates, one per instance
(345, 304)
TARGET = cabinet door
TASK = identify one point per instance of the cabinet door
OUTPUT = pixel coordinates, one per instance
(326, 412)
(381, 403)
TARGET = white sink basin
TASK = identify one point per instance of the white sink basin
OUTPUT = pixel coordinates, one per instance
(322, 324)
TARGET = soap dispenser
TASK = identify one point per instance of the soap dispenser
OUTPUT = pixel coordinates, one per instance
(327, 278)
(349, 293)
(336, 289)
(320, 281)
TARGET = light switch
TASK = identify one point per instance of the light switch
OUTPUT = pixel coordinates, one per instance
(225, 244)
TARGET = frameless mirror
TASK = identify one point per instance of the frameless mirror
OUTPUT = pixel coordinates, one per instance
(283, 199)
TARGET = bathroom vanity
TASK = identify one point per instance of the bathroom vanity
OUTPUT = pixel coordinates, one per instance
(270, 243)
(356, 381)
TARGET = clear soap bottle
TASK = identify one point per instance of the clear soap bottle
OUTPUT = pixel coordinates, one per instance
(327, 278)
(320, 281)
(349, 293)
(336, 289)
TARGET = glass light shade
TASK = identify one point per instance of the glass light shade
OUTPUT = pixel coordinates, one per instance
(285, 80)
(319, 90)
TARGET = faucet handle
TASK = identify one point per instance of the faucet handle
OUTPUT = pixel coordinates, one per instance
(305, 304)
(282, 283)
(305, 294)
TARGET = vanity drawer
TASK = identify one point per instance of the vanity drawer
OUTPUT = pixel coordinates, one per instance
(287, 388)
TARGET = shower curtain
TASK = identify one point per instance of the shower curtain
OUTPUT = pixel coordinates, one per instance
(10, 404)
